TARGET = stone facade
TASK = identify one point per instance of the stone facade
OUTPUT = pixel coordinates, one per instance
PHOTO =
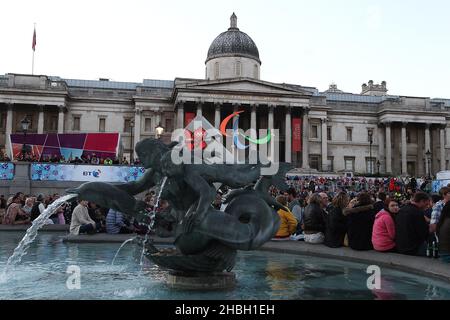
(336, 126)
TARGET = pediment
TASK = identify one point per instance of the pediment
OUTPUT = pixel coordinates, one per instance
(247, 85)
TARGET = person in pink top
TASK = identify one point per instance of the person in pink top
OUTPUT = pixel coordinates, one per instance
(383, 233)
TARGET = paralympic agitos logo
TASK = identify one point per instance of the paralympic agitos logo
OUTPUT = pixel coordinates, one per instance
(237, 133)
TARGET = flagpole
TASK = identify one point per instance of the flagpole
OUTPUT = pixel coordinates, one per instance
(32, 63)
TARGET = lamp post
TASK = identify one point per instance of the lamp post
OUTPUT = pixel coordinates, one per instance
(25, 123)
(159, 131)
(132, 142)
(428, 158)
(378, 167)
(370, 133)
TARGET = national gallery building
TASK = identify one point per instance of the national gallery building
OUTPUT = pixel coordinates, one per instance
(332, 131)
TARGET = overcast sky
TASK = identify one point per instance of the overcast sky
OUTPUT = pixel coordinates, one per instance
(311, 43)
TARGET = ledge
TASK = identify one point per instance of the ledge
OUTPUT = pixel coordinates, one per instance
(110, 238)
(418, 265)
(24, 227)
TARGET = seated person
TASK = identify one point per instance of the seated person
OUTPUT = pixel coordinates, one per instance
(81, 222)
(288, 221)
(116, 223)
(14, 213)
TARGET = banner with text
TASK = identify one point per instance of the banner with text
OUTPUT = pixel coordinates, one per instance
(69, 172)
(296, 134)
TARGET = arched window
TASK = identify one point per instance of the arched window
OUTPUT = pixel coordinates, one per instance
(238, 70)
(255, 71)
(216, 70)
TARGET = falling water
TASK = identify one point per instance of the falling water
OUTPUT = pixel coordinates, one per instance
(150, 227)
(31, 234)
(152, 216)
(117, 253)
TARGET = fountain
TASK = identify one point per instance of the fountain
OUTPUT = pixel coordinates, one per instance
(206, 240)
(31, 234)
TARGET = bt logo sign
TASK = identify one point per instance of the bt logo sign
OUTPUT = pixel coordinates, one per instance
(95, 173)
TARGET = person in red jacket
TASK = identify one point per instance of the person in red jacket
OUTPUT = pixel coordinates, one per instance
(383, 233)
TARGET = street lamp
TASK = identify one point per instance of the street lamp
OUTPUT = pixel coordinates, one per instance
(428, 158)
(370, 133)
(159, 131)
(132, 144)
(25, 123)
(378, 167)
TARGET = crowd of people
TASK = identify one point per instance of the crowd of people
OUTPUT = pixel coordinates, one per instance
(386, 215)
(82, 217)
(84, 159)
(416, 223)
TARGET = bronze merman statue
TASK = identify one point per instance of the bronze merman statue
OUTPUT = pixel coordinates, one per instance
(206, 239)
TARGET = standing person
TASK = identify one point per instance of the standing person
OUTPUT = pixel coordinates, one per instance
(81, 222)
(361, 216)
(443, 232)
(288, 221)
(314, 220)
(411, 227)
(336, 222)
(438, 207)
(383, 234)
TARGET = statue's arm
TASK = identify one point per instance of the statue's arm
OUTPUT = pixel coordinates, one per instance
(135, 187)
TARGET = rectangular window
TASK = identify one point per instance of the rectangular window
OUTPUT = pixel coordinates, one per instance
(370, 165)
(101, 124)
(314, 131)
(314, 162)
(148, 125)
(76, 123)
(349, 163)
(169, 125)
(329, 138)
(349, 134)
(330, 164)
(127, 125)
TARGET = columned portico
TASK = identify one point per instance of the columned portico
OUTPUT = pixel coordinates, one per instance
(381, 153)
(288, 136)
(60, 119)
(305, 139)
(404, 149)
(9, 125)
(324, 145)
(442, 147)
(41, 120)
(137, 129)
(199, 109)
(388, 148)
(217, 114)
(271, 127)
(180, 115)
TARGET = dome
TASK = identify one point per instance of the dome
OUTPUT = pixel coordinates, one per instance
(233, 42)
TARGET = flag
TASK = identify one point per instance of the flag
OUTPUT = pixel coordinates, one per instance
(297, 134)
(33, 45)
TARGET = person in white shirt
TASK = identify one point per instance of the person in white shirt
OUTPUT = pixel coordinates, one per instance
(81, 221)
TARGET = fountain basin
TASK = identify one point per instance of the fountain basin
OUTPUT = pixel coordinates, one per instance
(42, 274)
